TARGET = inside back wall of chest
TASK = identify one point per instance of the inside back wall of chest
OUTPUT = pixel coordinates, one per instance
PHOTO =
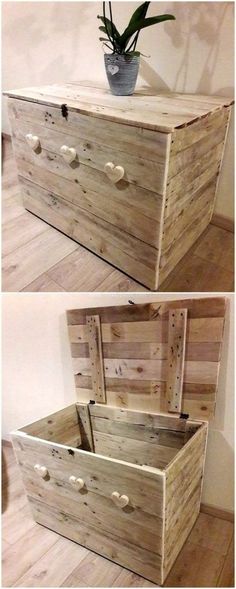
(134, 354)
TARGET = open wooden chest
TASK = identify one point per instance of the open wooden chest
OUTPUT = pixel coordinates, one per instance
(121, 470)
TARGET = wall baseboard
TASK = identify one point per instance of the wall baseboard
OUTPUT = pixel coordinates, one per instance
(6, 137)
(217, 512)
(222, 222)
(7, 443)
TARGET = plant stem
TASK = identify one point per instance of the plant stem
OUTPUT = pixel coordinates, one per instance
(107, 32)
(112, 26)
(134, 42)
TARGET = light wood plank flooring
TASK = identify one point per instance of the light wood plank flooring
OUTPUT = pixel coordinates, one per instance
(37, 257)
(34, 556)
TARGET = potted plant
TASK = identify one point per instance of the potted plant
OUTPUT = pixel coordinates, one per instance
(122, 64)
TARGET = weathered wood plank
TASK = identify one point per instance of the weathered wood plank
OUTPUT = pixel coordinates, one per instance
(136, 526)
(188, 154)
(133, 140)
(170, 422)
(197, 308)
(145, 173)
(180, 246)
(176, 356)
(194, 372)
(101, 474)
(202, 330)
(175, 224)
(182, 480)
(209, 351)
(116, 247)
(85, 426)
(130, 209)
(146, 112)
(61, 427)
(152, 435)
(144, 562)
(132, 450)
(189, 174)
(183, 138)
(96, 357)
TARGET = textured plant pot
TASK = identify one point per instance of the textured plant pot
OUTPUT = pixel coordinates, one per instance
(122, 72)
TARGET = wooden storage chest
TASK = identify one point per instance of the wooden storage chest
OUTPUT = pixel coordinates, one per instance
(132, 179)
(121, 470)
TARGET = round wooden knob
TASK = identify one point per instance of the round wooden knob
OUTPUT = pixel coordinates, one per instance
(114, 173)
(76, 483)
(120, 500)
(68, 153)
(32, 140)
(42, 471)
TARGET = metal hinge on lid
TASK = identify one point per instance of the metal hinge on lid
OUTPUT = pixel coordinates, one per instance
(182, 415)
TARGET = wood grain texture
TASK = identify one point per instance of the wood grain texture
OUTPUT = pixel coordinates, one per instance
(170, 147)
(196, 565)
(183, 495)
(101, 474)
(96, 357)
(85, 426)
(196, 165)
(135, 352)
(179, 110)
(83, 271)
(95, 155)
(176, 357)
(99, 236)
(202, 307)
(61, 427)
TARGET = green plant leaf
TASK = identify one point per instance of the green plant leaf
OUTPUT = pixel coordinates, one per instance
(139, 13)
(142, 24)
(112, 30)
(103, 29)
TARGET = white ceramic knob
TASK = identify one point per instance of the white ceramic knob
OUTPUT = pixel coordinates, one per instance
(76, 483)
(68, 153)
(42, 471)
(32, 140)
(114, 173)
(120, 500)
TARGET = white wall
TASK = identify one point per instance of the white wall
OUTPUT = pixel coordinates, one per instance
(37, 372)
(48, 42)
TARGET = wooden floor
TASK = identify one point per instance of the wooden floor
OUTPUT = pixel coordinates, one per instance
(34, 556)
(37, 257)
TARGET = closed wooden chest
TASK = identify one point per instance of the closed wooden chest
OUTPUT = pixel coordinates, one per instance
(121, 470)
(132, 179)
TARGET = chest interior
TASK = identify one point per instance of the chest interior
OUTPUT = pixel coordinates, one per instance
(140, 438)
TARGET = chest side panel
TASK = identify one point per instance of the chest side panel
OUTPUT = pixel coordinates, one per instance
(135, 350)
(183, 495)
(195, 160)
(89, 516)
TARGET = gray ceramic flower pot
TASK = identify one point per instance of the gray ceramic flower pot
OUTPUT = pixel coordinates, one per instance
(122, 72)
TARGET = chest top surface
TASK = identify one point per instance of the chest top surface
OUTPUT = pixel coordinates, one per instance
(147, 108)
(161, 357)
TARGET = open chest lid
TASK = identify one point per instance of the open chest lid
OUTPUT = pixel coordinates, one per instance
(156, 357)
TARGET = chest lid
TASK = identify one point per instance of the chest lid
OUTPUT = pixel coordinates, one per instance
(146, 108)
(157, 357)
